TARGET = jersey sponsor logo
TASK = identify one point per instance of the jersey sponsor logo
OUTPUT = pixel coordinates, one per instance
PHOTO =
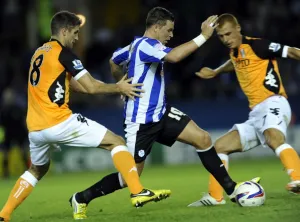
(59, 92)
(270, 79)
(274, 46)
(241, 63)
(77, 64)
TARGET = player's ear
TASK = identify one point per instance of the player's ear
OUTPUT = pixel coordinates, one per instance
(64, 31)
(157, 27)
(238, 28)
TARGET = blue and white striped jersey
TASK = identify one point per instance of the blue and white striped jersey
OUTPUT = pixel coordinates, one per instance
(144, 61)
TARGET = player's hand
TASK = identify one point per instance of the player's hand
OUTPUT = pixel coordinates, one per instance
(206, 73)
(208, 26)
(130, 90)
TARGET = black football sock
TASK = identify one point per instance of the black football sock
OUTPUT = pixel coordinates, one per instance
(214, 165)
(106, 185)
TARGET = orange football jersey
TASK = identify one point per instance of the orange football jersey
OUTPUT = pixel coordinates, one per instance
(52, 66)
(257, 69)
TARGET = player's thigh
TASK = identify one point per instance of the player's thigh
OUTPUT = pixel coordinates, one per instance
(40, 150)
(174, 123)
(140, 139)
(248, 138)
(78, 131)
(272, 119)
(195, 136)
(229, 143)
(111, 140)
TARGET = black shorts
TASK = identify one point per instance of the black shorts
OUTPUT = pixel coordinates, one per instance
(140, 137)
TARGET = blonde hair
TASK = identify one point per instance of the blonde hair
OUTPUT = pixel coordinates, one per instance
(227, 18)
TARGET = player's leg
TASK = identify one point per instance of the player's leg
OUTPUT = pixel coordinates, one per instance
(242, 137)
(95, 135)
(123, 161)
(178, 126)
(137, 142)
(273, 128)
(26, 183)
(201, 140)
(225, 145)
(107, 185)
(140, 138)
(275, 139)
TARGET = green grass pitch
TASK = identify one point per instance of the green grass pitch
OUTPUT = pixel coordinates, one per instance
(49, 200)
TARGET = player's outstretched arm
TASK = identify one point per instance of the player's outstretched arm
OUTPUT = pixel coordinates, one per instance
(207, 73)
(123, 87)
(182, 51)
(116, 70)
(293, 53)
(77, 87)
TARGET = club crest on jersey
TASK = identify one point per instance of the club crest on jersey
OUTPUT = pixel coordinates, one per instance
(77, 64)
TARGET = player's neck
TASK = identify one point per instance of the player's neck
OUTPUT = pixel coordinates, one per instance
(150, 34)
(55, 37)
(240, 39)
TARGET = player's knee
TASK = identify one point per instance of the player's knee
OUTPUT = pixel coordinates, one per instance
(203, 141)
(117, 141)
(39, 171)
(274, 138)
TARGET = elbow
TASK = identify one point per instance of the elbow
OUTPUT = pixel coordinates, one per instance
(173, 59)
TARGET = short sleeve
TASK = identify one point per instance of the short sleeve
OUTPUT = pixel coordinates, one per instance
(120, 56)
(266, 49)
(72, 63)
(153, 51)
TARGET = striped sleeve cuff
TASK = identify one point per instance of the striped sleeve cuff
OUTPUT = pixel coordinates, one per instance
(80, 74)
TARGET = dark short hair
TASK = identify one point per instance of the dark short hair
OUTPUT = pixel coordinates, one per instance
(224, 18)
(158, 15)
(64, 19)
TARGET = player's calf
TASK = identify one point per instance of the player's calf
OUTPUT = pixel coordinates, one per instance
(22, 189)
(194, 135)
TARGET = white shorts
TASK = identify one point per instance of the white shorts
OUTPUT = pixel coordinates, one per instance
(274, 112)
(76, 131)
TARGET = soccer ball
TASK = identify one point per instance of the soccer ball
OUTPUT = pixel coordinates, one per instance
(250, 194)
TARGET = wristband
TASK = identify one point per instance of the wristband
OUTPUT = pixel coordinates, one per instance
(199, 40)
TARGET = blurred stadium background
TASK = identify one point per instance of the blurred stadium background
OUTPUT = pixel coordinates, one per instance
(214, 104)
